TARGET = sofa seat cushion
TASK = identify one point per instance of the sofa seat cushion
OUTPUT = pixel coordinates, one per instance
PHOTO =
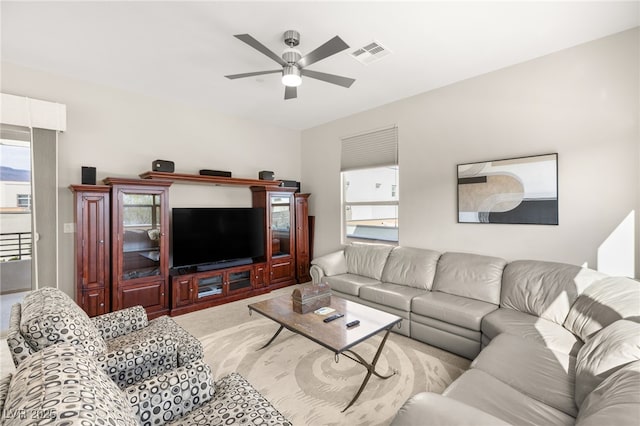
(367, 260)
(611, 349)
(483, 391)
(49, 316)
(603, 303)
(412, 267)
(458, 310)
(393, 295)
(349, 283)
(616, 401)
(428, 408)
(544, 289)
(235, 402)
(470, 275)
(533, 369)
(548, 333)
(62, 385)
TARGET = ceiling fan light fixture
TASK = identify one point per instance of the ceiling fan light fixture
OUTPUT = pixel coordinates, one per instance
(291, 76)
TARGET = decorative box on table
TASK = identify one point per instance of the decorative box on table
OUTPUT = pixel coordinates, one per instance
(309, 297)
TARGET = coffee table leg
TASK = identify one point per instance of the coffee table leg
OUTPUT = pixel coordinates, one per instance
(273, 338)
(371, 367)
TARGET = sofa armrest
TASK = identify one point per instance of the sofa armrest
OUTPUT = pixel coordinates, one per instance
(130, 362)
(163, 398)
(435, 409)
(328, 265)
(119, 323)
(18, 346)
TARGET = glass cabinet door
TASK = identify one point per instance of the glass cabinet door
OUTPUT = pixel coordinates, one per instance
(280, 225)
(141, 224)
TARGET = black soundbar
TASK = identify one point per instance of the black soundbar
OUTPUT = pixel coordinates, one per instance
(207, 172)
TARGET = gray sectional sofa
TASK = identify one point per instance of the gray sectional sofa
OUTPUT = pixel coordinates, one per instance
(551, 343)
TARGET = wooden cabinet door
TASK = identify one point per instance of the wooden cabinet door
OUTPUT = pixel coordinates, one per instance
(260, 275)
(182, 289)
(93, 302)
(92, 247)
(282, 271)
(140, 249)
(151, 295)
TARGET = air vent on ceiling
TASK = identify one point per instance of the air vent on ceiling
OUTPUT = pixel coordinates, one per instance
(372, 52)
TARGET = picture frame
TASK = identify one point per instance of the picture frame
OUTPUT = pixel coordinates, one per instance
(520, 190)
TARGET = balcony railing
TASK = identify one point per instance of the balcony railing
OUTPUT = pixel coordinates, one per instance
(15, 246)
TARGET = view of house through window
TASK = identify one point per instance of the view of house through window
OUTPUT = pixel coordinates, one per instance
(15, 211)
(370, 204)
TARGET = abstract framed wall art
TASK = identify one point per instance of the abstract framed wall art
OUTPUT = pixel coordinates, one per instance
(518, 191)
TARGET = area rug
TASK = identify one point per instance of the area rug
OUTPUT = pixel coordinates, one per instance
(306, 384)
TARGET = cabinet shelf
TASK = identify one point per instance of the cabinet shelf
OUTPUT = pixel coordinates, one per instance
(214, 180)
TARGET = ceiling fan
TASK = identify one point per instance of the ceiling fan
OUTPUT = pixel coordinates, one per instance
(294, 64)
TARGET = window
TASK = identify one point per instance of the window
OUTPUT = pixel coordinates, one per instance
(24, 200)
(370, 204)
(370, 187)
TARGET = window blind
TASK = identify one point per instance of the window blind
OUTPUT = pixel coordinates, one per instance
(372, 149)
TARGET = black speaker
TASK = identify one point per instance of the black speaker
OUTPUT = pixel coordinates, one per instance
(291, 184)
(88, 175)
(163, 166)
(265, 175)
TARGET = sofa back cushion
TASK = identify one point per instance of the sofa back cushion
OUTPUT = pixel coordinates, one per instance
(412, 267)
(544, 289)
(62, 384)
(603, 303)
(609, 350)
(470, 275)
(367, 260)
(49, 316)
(616, 401)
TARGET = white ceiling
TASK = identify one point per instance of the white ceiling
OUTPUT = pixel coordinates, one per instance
(180, 51)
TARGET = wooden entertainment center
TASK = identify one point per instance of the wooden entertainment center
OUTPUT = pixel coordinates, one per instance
(122, 247)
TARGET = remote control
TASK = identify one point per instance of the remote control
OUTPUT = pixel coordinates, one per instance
(353, 323)
(333, 317)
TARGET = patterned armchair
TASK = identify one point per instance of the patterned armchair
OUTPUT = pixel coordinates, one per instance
(62, 384)
(127, 346)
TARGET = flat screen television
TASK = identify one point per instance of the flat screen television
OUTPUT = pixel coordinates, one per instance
(209, 236)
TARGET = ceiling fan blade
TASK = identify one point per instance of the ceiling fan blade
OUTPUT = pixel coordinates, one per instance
(331, 47)
(260, 47)
(329, 78)
(251, 74)
(290, 92)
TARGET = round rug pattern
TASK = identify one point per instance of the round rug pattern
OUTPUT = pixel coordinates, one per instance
(305, 383)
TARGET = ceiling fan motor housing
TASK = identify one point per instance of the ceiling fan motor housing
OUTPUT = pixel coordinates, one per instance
(291, 56)
(291, 38)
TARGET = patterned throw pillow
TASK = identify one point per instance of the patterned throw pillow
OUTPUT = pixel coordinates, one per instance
(49, 316)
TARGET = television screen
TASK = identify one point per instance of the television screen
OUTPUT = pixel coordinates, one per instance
(210, 235)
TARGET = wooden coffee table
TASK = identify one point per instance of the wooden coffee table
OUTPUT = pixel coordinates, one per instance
(334, 335)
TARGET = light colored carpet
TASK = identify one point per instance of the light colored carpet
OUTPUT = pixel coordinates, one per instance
(303, 381)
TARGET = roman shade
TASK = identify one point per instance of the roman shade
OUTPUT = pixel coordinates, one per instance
(371, 149)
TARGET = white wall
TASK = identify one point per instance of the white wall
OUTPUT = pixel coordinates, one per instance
(121, 133)
(581, 103)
